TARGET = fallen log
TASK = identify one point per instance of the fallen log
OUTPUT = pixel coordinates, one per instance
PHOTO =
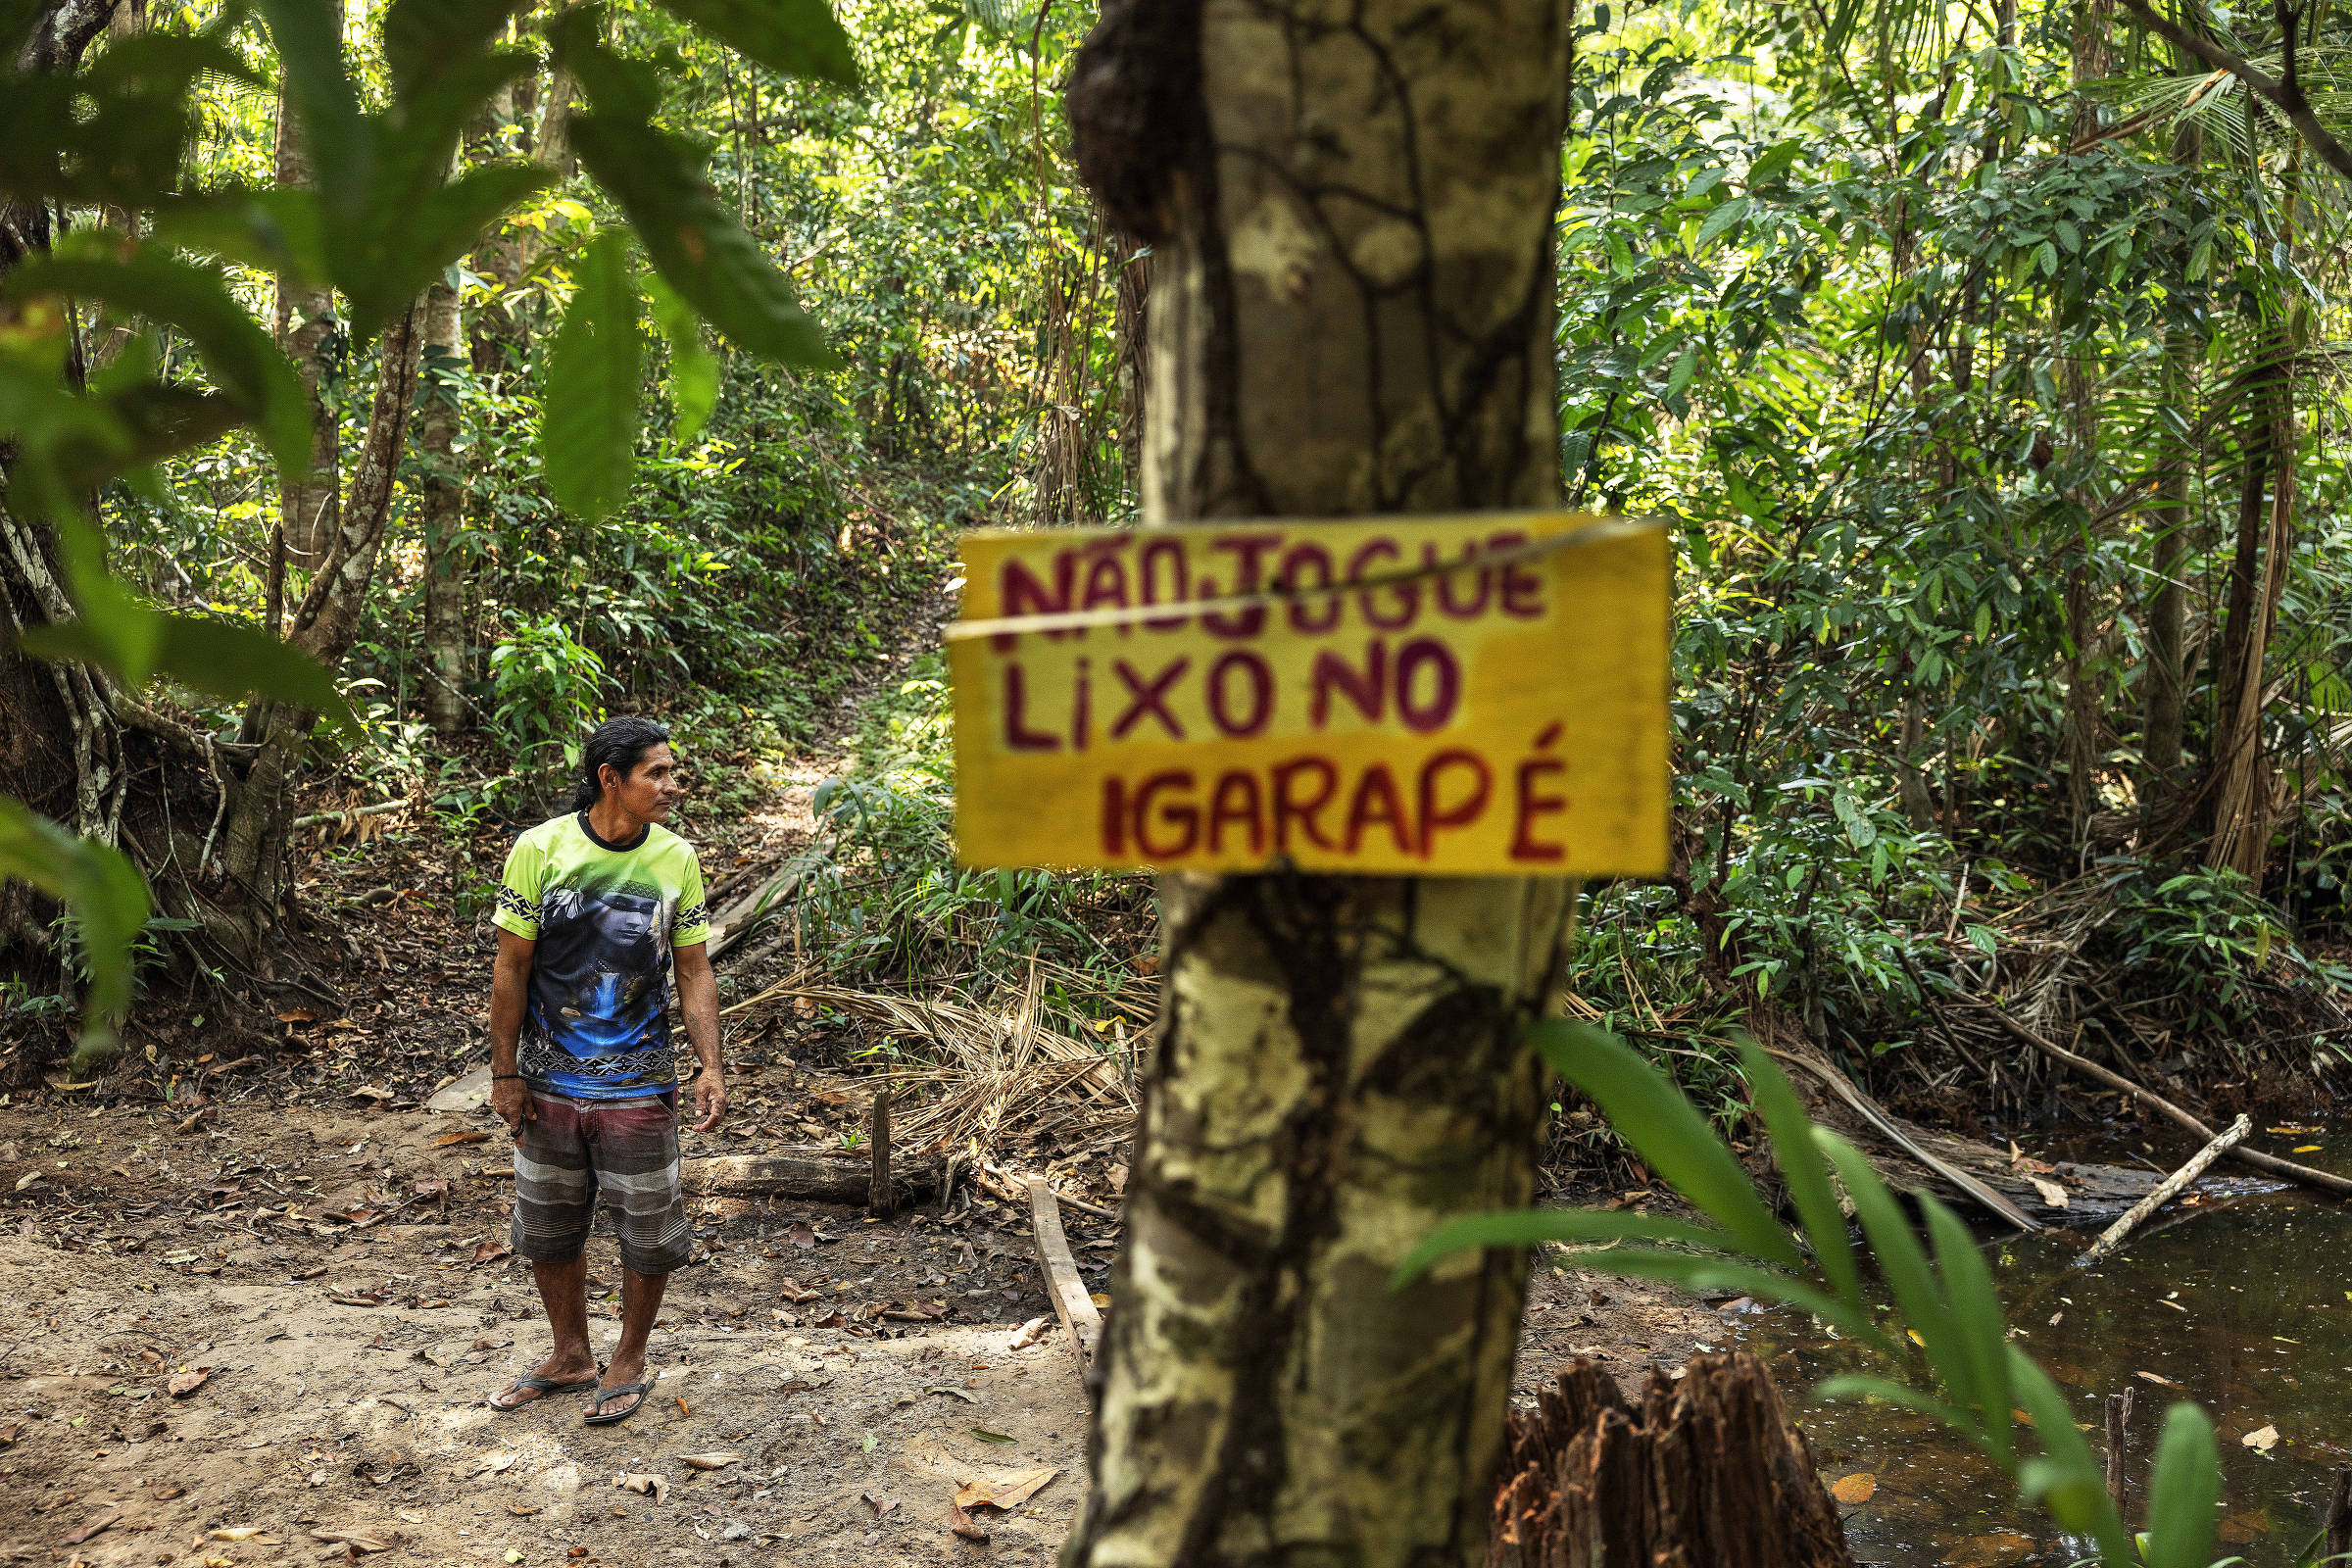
(813, 1176)
(1065, 1287)
(1994, 1202)
(2323, 1181)
(2166, 1190)
(1708, 1470)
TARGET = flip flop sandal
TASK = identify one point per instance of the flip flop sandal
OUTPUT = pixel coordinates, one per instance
(595, 1416)
(540, 1388)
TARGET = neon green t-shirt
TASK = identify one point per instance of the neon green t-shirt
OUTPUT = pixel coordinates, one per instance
(605, 918)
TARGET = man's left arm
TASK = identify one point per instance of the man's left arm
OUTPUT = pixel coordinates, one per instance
(698, 998)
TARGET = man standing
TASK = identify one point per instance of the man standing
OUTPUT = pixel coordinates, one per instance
(595, 910)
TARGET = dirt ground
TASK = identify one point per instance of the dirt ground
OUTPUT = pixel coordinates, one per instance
(339, 1281)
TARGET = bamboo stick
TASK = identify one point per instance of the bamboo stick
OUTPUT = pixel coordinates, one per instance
(2166, 1190)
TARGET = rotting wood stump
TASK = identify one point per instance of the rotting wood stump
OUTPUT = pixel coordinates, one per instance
(1708, 1472)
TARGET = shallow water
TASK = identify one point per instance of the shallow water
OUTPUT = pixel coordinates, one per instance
(2241, 1300)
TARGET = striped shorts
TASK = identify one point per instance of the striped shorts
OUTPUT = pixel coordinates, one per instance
(625, 1151)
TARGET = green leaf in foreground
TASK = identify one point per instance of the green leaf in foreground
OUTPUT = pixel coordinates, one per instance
(1677, 1143)
(798, 38)
(105, 894)
(1525, 1227)
(196, 300)
(701, 251)
(2182, 1491)
(693, 367)
(588, 426)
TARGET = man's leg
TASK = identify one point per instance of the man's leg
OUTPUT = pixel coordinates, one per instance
(563, 1292)
(635, 1148)
(554, 1209)
(639, 1304)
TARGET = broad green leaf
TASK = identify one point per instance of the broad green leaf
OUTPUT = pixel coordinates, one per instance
(1677, 379)
(693, 367)
(136, 642)
(278, 230)
(1525, 1227)
(231, 660)
(2074, 1498)
(1977, 1314)
(701, 252)
(2069, 1482)
(432, 232)
(106, 896)
(798, 38)
(588, 429)
(1865, 1386)
(1770, 165)
(1799, 1159)
(1672, 1138)
(627, 89)
(2183, 1489)
(116, 131)
(196, 300)
(1725, 214)
(1904, 1264)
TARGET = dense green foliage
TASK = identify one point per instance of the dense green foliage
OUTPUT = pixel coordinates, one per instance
(1949, 337)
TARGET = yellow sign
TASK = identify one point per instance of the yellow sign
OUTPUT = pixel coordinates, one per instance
(1464, 695)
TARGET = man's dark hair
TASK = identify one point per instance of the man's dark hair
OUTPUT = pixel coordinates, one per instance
(621, 742)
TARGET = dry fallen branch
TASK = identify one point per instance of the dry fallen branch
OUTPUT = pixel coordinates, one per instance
(2166, 1190)
(2325, 1181)
(992, 1073)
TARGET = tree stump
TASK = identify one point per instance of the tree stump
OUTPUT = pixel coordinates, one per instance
(1707, 1473)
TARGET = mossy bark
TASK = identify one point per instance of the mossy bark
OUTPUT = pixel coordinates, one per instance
(1351, 210)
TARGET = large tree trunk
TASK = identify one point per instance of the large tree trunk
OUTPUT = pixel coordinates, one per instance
(1353, 313)
(441, 512)
(311, 336)
(62, 750)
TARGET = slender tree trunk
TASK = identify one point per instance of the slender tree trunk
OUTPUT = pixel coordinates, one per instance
(1131, 324)
(441, 511)
(2241, 809)
(2167, 674)
(2085, 595)
(1918, 804)
(1351, 314)
(312, 335)
(254, 836)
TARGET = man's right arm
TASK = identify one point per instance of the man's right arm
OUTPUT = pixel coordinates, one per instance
(510, 997)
